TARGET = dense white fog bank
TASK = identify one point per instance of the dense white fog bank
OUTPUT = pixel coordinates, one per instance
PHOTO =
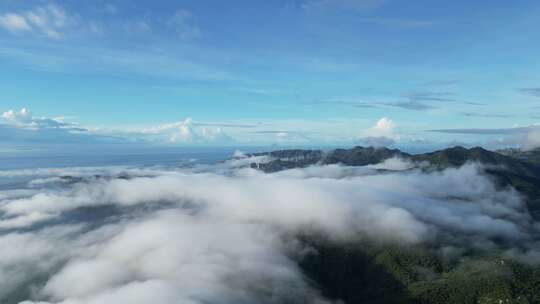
(225, 233)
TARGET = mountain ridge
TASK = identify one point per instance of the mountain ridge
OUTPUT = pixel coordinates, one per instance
(504, 170)
(361, 156)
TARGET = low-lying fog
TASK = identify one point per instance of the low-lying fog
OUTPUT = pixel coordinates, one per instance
(225, 233)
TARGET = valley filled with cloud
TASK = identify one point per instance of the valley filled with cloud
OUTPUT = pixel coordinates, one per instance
(228, 233)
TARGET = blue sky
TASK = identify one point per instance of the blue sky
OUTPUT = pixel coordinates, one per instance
(291, 72)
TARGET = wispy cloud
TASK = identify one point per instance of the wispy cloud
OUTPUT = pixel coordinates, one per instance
(436, 83)
(110, 8)
(67, 58)
(226, 125)
(363, 7)
(430, 96)
(486, 115)
(14, 23)
(472, 103)
(345, 102)
(184, 25)
(354, 5)
(286, 135)
(424, 100)
(487, 131)
(397, 22)
(50, 21)
(416, 102)
(531, 91)
(411, 105)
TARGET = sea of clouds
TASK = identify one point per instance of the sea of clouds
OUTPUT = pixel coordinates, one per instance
(224, 233)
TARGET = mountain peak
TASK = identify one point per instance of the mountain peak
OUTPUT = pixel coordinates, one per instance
(458, 156)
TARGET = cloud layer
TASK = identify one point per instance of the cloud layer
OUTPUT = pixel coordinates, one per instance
(226, 233)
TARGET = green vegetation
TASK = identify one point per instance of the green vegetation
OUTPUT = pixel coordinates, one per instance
(367, 273)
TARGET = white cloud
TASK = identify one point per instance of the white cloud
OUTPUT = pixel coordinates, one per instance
(381, 134)
(383, 128)
(286, 137)
(22, 125)
(24, 119)
(24, 116)
(23, 128)
(394, 164)
(528, 141)
(14, 22)
(188, 131)
(49, 20)
(528, 138)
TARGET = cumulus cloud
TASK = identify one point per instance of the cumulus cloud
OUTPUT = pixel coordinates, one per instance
(190, 132)
(23, 127)
(49, 20)
(25, 119)
(381, 134)
(384, 127)
(224, 233)
(22, 124)
(23, 116)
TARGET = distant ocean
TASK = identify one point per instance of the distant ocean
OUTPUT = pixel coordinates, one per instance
(151, 158)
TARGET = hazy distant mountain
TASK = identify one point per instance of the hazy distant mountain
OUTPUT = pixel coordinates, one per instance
(532, 156)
